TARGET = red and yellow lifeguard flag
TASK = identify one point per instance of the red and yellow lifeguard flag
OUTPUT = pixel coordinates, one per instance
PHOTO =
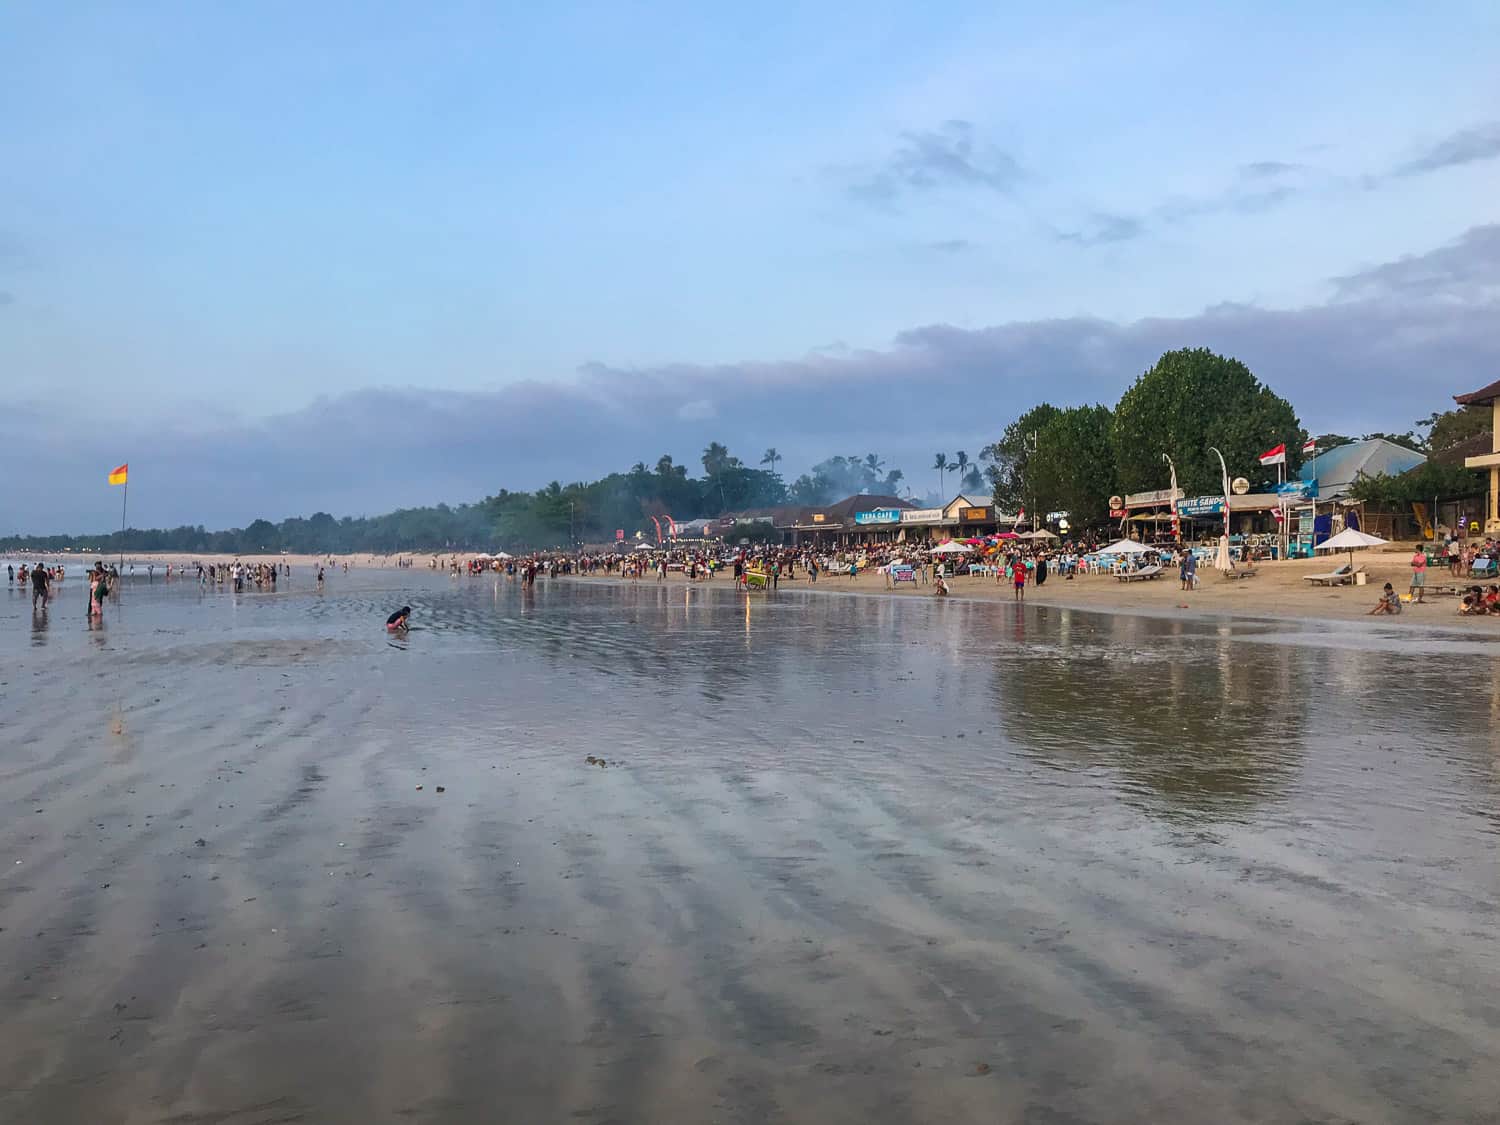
(120, 475)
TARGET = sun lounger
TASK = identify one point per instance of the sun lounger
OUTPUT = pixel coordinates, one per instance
(1342, 576)
(1242, 572)
(1145, 572)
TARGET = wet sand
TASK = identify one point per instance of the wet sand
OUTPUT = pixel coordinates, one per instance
(851, 860)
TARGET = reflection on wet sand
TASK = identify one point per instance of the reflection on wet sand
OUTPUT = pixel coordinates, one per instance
(850, 860)
(1194, 727)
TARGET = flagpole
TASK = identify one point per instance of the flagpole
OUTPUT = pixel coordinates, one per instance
(124, 500)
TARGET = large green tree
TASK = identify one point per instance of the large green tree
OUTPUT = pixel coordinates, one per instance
(1007, 460)
(1448, 428)
(1190, 401)
(1073, 467)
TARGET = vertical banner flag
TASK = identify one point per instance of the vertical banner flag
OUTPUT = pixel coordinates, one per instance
(619, 534)
(118, 476)
(1275, 456)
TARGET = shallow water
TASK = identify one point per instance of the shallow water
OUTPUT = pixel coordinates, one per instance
(852, 859)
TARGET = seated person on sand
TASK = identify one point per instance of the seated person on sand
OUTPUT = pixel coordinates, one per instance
(397, 622)
(942, 587)
(1390, 602)
(1473, 602)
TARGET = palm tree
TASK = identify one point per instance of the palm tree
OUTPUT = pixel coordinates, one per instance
(770, 457)
(714, 458)
(940, 463)
(960, 463)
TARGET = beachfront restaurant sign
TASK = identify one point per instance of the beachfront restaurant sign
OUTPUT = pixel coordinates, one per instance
(1158, 499)
(879, 515)
(819, 517)
(1201, 506)
(976, 515)
(922, 515)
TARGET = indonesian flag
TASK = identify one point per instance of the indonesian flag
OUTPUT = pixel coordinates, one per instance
(1310, 445)
(1275, 456)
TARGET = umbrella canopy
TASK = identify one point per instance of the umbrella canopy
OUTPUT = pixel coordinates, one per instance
(1009, 535)
(643, 546)
(951, 548)
(1347, 540)
(1040, 533)
(1124, 547)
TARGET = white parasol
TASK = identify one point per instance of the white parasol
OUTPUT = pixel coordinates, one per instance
(1350, 540)
(1222, 560)
(1124, 547)
(952, 547)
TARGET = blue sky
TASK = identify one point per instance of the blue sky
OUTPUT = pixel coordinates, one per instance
(255, 250)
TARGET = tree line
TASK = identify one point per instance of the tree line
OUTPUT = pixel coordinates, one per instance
(557, 515)
(1190, 403)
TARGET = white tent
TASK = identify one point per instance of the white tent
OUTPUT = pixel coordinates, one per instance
(643, 546)
(1124, 547)
(952, 547)
(1349, 540)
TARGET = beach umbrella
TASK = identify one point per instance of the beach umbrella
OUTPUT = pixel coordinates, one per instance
(952, 548)
(1221, 559)
(1124, 547)
(1348, 540)
(1042, 533)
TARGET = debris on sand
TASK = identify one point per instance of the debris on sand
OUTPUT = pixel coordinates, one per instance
(419, 787)
(442, 789)
(593, 761)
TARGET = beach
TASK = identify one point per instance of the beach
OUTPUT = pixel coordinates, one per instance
(846, 859)
(1279, 590)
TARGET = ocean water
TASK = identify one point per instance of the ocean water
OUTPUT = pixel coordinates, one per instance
(848, 858)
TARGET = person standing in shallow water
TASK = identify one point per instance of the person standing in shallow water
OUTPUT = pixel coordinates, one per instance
(39, 591)
(1018, 577)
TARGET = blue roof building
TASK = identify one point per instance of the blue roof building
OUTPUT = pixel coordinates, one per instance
(1335, 470)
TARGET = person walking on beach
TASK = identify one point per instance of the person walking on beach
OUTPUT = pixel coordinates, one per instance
(1418, 574)
(39, 580)
(1018, 578)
